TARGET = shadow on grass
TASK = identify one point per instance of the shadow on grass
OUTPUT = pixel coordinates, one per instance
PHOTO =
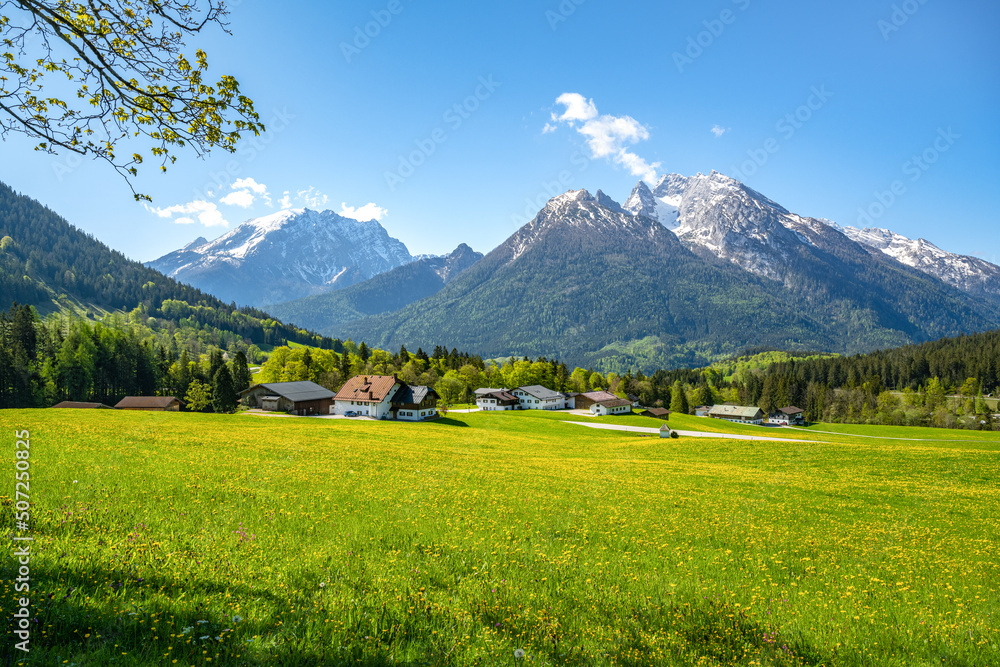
(93, 616)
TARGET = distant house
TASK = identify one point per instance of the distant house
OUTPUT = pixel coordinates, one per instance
(584, 401)
(616, 406)
(633, 399)
(659, 413)
(150, 403)
(702, 410)
(414, 403)
(788, 416)
(737, 414)
(300, 398)
(537, 397)
(488, 390)
(498, 399)
(82, 406)
(368, 395)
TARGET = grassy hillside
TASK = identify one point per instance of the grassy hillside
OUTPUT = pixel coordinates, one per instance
(241, 540)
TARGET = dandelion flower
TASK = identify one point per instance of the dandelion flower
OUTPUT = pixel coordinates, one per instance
(237, 619)
(519, 653)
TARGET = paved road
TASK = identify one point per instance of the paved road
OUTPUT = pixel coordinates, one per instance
(690, 434)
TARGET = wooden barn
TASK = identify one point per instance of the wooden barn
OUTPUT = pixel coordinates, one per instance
(587, 400)
(299, 398)
(150, 403)
(77, 405)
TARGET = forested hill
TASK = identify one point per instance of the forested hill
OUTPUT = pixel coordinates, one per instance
(47, 263)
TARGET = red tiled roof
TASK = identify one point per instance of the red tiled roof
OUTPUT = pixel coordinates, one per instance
(373, 388)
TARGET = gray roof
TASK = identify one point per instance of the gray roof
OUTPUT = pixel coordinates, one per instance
(412, 395)
(541, 392)
(295, 391)
(487, 390)
(735, 411)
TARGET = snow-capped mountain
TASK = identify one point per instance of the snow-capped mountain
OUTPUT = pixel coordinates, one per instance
(715, 215)
(969, 274)
(593, 284)
(285, 256)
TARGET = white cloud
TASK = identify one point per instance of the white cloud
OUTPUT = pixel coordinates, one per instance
(549, 128)
(607, 136)
(577, 106)
(312, 198)
(241, 198)
(364, 213)
(718, 130)
(245, 192)
(286, 201)
(249, 184)
(206, 212)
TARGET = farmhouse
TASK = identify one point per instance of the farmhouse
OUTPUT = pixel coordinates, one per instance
(150, 403)
(82, 406)
(368, 395)
(585, 401)
(737, 414)
(537, 397)
(702, 410)
(300, 398)
(616, 406)
(788, 416)
(497, 399)
(414, 403)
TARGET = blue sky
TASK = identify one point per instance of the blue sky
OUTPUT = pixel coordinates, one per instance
(440, 119)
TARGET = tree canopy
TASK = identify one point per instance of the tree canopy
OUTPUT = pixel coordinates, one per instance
(109, 80)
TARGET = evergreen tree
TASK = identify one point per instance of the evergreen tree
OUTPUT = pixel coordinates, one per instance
(364, 352)
(215, 362)
(241, 372)
(224, 398)
(678, 400)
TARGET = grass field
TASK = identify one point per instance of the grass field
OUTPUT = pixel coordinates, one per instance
(188, 539)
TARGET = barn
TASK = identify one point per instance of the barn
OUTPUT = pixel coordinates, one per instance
(77, 405)
(150, 403)
(300, 398)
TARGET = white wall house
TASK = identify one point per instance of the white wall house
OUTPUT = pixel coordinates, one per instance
(367, 395)
(537, 397)
(618, 406)
(498, 399)
(737, 414)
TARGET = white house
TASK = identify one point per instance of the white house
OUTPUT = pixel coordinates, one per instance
(787, 416)
(367, 395)
(537, 397)
(414, 403)
(497, 399)
(737, 414)
(616, 406)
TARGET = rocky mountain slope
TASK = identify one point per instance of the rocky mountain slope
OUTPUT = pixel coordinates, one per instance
(285, 256)
(384, 293)
(599, 286)
(717, 216)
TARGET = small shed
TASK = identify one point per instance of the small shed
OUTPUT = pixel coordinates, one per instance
(77, 405)
(665, 432)
(150, 403)
(659, 413)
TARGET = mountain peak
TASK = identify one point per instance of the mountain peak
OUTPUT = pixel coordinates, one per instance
(608, 202)
(286, 255)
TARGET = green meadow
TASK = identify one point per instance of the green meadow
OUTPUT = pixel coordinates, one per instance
(191, 539)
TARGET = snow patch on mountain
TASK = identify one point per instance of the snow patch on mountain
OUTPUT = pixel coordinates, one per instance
(286, 255)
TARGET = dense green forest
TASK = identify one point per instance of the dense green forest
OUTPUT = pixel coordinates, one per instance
(47, 263)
